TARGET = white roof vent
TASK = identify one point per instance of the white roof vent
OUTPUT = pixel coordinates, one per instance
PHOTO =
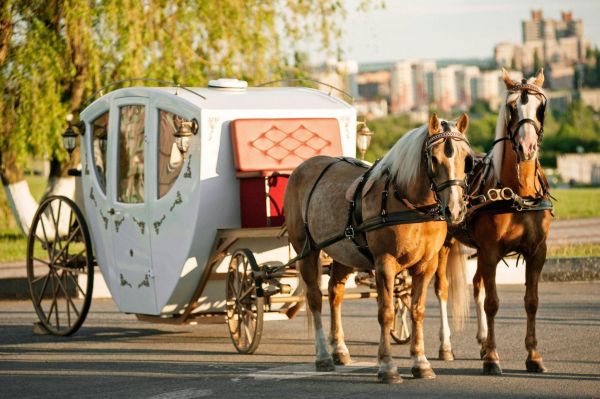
(225, 83)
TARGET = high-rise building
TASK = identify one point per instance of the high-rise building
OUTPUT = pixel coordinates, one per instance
(402, 96)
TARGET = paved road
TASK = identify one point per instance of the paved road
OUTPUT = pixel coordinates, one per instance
(114, 355)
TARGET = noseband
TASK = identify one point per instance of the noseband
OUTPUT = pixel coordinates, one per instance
(432, 141)
(526, 88)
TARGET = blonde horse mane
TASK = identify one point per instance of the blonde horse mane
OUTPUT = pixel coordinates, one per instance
(404, 158)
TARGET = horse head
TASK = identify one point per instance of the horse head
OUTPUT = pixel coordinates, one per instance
(448, 160)
(525, 109)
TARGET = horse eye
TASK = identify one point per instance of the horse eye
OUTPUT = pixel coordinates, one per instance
(469, 164)
(434, 160)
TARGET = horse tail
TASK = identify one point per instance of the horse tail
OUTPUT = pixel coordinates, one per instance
(456, 272)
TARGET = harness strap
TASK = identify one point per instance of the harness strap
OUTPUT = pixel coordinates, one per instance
(309, 242)
(355, 212)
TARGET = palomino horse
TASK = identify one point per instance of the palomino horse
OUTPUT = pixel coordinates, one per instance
(510, 212)
(426, 169)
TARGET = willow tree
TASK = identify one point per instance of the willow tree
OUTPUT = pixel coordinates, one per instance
(55, 53)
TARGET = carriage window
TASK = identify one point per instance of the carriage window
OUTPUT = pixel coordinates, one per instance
(131, 154)
(99, 140)
(170, 161)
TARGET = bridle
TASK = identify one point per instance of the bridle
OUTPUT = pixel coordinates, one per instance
(525, 88)
(429, 144)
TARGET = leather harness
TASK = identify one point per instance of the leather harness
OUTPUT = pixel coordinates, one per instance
(356, 228)
(501, 199)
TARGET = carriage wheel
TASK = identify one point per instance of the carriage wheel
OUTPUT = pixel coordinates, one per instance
(60, 265)
(244, 307)
(401, 327)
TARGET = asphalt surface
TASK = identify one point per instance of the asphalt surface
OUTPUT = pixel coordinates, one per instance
(114, 355)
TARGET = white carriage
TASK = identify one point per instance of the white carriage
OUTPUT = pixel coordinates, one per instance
(181, 201)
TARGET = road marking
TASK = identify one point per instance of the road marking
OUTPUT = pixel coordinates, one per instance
(184, 394)
(305, 370)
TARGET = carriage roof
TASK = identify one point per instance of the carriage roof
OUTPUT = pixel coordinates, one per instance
(275, 98)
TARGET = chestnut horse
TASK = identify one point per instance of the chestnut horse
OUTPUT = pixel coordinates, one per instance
(425, 171)
(512, 217)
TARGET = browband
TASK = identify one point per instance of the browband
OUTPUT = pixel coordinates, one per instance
(440, 136)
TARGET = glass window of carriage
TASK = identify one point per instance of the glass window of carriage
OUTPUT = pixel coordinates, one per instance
(130, 171)
(170, 160)
(99, 144)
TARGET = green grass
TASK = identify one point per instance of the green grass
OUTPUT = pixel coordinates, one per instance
(13, 245)
(573, 251)
(576, 203)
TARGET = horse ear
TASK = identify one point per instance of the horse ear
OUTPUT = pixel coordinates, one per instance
(463, 123)
(539, 78)
(507, 80)
(434, 124)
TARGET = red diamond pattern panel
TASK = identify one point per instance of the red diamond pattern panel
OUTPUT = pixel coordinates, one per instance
(282, 144)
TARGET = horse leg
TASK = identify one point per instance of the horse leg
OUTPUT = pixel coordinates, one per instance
(421, 366)
(441, 291)
(309, 269)
(385, 274)
(533, 269)
(479, 295)
(487, 263)
(337, 280)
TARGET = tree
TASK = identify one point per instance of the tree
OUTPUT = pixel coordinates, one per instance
(56, 53)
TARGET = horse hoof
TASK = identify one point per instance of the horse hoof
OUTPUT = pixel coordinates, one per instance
(426, 374)
(389, 377)
(341, 359)
(491, 368)
(446, 355)
(535, 366)
(325, 365)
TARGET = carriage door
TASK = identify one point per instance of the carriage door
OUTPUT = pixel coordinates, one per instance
(129, 210)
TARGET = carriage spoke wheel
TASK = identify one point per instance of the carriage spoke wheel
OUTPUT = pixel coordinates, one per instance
(60, 265)
(402, 324)
(244, 307)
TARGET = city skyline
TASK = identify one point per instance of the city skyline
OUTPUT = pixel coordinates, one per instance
(449, 30)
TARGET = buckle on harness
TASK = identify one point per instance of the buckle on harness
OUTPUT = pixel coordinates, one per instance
(349, 232)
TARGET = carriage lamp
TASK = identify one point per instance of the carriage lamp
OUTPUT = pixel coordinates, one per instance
(185, 130)
(363, 139)
(69, 137)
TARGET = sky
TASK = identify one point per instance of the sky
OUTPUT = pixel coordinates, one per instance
(442, 29)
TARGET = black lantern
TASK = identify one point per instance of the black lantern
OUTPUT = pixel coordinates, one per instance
(69, 137)
(363, 139)
(185, 130)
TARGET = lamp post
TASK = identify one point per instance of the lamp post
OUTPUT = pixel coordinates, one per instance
(363, 139)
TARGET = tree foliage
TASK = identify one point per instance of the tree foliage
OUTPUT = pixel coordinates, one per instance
(564, 132)
(56, 53)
